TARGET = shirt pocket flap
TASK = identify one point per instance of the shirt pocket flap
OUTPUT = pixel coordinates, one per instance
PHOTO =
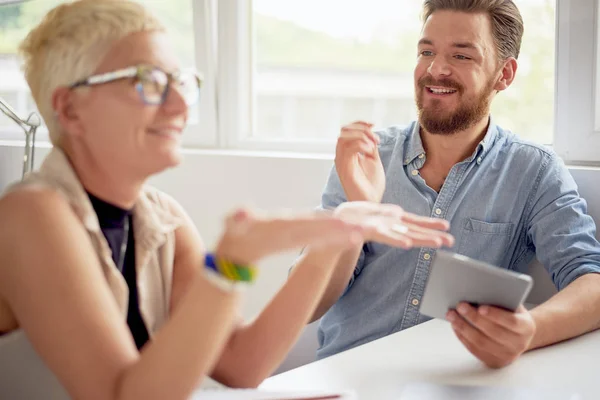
(489, 228)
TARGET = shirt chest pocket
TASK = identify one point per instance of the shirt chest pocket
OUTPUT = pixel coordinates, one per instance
(485, 241)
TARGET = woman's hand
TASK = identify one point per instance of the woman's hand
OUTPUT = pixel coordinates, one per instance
(390, 224)
(252, 235)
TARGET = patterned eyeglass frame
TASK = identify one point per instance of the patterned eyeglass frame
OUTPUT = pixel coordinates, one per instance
(135, 72)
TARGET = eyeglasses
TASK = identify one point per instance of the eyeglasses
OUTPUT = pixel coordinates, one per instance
(151, 82)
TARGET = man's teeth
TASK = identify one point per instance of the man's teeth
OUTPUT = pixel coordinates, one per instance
(441, 91)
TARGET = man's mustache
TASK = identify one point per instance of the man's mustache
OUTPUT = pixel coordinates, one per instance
(447, 83)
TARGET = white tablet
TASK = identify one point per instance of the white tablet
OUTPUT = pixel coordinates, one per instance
(454, 278)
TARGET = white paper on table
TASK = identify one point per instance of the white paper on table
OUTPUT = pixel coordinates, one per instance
(252, 394)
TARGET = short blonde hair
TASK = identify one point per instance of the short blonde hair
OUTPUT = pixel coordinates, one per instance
(71, 41)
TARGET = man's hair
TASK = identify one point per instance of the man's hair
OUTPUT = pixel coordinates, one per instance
(71, 41)
(506, 20)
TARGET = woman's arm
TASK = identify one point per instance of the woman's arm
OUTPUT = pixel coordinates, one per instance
(52, 280)
(252, 352)
(258, 347)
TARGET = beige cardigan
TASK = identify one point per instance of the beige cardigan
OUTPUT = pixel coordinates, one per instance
(23, 374)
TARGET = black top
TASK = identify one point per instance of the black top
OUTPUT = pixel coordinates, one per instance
(113, 224)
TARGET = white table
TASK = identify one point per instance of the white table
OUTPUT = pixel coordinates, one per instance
(430, 352)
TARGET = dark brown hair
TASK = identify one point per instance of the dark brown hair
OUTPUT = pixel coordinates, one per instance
(507, 23)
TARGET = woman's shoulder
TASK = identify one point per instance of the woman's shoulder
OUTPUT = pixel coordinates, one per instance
(36, 188)
(32, 210)
(30, 199)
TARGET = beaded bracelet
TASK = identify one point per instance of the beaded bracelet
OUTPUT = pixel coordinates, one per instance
(230, 270)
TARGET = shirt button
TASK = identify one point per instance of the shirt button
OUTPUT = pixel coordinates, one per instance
(479, 160)
(415, 172)
(415, 302)
(421, 155)
(426, 256)
(438, 211)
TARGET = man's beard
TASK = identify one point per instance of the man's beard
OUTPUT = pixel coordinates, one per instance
(436, 120)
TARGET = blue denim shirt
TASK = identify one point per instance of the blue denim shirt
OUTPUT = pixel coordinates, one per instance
(509, 201)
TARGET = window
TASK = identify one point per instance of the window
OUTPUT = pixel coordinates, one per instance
(16, 20)
(578, 95)
(286, 75)
(337, 61)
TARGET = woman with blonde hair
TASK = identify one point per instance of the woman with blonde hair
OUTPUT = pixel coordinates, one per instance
(106, 277)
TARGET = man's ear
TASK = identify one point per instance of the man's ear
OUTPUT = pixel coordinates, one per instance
(65, 110)
(507, 74)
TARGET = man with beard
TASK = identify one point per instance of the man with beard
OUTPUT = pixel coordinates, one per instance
(507, 200)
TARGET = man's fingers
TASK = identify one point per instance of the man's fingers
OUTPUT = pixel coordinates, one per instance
(477, 339)
(488, 327)
(507, 319)
(359, 132)
(361, 123)
(486, 357)
(355, 146)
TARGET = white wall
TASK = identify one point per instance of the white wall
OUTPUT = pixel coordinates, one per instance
(209, 184)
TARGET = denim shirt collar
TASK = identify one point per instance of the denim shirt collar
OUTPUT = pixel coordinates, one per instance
(414, 144)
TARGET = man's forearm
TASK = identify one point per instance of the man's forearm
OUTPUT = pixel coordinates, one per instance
(257, 348)
(573, 311)
(339, 281)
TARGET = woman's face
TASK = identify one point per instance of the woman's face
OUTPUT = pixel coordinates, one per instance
(112, 124)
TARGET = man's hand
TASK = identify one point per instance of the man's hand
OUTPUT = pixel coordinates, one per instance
(358, 164)
(495, 336)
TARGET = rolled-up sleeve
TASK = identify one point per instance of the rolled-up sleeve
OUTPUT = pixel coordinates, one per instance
(559, 227)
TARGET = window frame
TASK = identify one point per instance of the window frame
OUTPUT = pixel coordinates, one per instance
(236, 75)
(577, 102)
(205, 133)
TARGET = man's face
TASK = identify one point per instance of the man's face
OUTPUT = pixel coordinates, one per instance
(457, 72)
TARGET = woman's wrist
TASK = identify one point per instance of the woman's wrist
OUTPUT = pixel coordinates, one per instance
(226, 275)
(230, 250)
(229, 269)
(219, 281)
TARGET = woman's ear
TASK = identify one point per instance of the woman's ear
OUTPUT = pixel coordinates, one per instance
(65, 110)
